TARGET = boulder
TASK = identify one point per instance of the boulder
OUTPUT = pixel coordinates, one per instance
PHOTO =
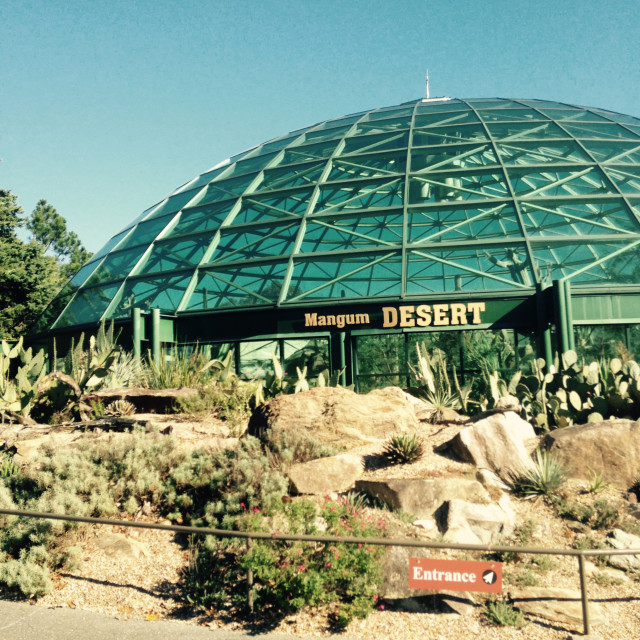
(326, 475)
(559, 605)
(336, 416)
(468, 523)
(423, 496)
(146, 400)
(116, 544)
(610, 447)
(620, 539)
(496, 442)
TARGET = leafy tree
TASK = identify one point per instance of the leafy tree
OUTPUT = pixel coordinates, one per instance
(49, 228)
(29, 278)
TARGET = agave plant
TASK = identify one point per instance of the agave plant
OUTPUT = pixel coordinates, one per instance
(404, 448)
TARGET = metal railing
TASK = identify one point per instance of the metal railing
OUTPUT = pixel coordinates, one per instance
(581, 554)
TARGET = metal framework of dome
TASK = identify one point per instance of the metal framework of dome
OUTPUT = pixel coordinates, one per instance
(428, 200)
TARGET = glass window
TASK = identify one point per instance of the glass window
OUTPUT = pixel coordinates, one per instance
(312, 354)
(356, 195)
(594, 343)
(256, 358)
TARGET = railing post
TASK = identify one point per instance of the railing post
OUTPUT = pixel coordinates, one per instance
(583, 591)
(250, 578)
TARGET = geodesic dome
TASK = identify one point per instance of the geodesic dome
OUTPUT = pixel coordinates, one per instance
(427, 197)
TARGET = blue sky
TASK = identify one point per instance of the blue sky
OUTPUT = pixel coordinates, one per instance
(108, 106)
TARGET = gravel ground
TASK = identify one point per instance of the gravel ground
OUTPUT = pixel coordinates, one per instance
(146, 587)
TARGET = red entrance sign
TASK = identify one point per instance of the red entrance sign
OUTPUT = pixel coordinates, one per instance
(455, 575)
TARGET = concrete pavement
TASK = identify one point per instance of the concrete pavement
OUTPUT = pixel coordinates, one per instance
(20, 621)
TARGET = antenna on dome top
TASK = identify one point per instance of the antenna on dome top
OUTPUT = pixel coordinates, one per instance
(427, 84)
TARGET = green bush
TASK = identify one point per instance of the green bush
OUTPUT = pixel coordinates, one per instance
(544, 478)
(404, 448)
(503, 614)
(291, 575)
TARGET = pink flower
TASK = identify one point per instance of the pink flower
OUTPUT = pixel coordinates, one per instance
(243, 505)
(299, 552)
(328, 565)
(381, 607)
(333, 508)
(359, 545)
(302, 568)
(375, 597)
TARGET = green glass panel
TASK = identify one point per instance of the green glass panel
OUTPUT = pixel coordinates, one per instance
(338, 122)
(589, 130)
(111, 244)
(54, 308)
(256, 358)
(175, 203)
(162, 293)
(249, 165)
(616, 152)
(376, 142)
(511, 115)
(444, 105)
(491, 103)
(291, 176)
(619, 117)
(117, 265)
(197, 219)
(312, 354)
(463, 156)
(445, 224)
(241, 286)
(346, 276)
(545, 104)
(547, 184)
(627, 179)
(274, 206)
(255, 242)
(298, 154)
(383, 126)
(445, 186)
(342, 233)
(449, 135)
(440, 118)
(270, 148)
(322, 135)
(368, 166)
(84, 273)
(146, 232)
(523, 131)
(558, 260)
(389, 112)
(468, 269)
(633, 343)
(361, 195)
(596, 343)
(223, 189)
(574, 115)
(87, 306)
(176, 254)
(528, 153)
(577, 218)
(446, 342)
(207, 177)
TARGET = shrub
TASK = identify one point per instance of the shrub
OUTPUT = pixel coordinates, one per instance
(596, 482)
(404, 448)
(503, 614)
(544, 478)
(291, 575)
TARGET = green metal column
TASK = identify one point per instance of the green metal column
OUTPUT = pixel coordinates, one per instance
(571, 338)
(544, 324)
(137, 331)
(155, 334)
(561, 315)
(343, 359)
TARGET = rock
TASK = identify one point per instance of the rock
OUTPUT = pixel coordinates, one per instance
(326, 475)
(395, 573)
(496, 442)
(508, 403)
(614, 575)
(467, 523)
(460, 602)
(116, 544)
(620, 539)
(337, 416)
(490, 480)
(8, 436)
(610, 448)
(560, 605)
(423, 496)
(27, 450)
(146, 400)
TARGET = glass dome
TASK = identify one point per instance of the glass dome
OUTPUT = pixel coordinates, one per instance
(424, 198)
